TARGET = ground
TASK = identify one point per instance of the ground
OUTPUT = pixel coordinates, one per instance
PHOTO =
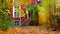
(29, 30)
(37, 30)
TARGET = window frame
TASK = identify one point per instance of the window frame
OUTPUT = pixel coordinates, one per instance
(14, 10)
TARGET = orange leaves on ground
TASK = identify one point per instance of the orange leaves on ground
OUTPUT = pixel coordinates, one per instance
(11, 31)
(24, 30)
(8, 31)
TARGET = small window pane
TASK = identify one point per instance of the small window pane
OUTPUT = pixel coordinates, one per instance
(16, 22)
(16, 14)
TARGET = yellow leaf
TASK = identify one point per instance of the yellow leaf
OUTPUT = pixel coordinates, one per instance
(8, 12)
(17, 10)
(22, 14)
(22, 1)
(57, 5)
(7, 1)
(4, 12)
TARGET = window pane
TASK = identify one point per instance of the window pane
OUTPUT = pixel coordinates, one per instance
(16, 22)
(16, 14)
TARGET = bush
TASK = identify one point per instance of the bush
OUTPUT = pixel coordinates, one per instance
(5, 20)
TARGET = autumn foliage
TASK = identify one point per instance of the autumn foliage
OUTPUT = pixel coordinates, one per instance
(27, 30)
(5, 20)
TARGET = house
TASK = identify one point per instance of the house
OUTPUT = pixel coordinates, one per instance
(16, 15)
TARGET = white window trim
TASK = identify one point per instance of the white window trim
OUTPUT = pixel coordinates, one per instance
(14, 10)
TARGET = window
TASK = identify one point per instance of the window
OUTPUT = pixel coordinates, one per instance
(16, 23)
(16, 14)
(16, 7)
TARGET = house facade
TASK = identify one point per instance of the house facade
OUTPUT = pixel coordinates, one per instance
(16, 15)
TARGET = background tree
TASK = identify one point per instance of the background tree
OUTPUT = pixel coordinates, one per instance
(51, 7)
